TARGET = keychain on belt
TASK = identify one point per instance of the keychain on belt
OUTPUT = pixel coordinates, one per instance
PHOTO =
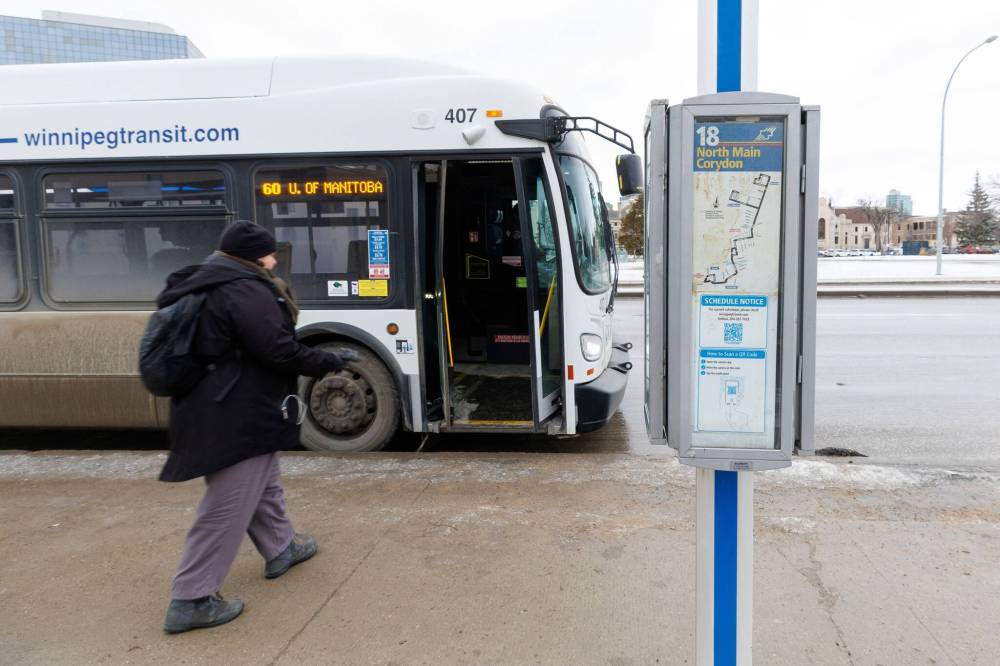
(301, 412)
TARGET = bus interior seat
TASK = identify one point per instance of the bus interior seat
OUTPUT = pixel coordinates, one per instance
(191, 243)
(168, 260)
(357, 258)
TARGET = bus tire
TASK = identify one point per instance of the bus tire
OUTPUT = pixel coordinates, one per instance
(353, 409)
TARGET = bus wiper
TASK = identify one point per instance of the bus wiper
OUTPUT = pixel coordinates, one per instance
(614, 283)
(611, 250)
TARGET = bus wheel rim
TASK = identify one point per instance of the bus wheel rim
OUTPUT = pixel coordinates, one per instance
(342, 403)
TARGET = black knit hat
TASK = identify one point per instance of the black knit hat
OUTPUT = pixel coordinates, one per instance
(247, 240)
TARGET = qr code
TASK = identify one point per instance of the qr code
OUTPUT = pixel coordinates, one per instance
(732, 334)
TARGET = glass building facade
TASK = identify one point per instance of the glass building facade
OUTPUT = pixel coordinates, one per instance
(31, 41)
(901, 203)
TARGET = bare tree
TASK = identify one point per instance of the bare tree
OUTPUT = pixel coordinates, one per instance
(880, 218)
(993, 187)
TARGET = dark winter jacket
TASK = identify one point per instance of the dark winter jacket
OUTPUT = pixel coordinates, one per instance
(246, 336)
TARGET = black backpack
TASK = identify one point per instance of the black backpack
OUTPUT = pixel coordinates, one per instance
(166, 362)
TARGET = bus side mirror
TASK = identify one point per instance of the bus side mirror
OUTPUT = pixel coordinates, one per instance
(629, 168)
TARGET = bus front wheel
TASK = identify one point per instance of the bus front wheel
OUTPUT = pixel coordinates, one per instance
(353, 409)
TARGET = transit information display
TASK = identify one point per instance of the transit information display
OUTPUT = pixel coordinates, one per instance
(735, 285)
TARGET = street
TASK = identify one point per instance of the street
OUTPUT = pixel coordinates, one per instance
(901, 380)
(910, 380)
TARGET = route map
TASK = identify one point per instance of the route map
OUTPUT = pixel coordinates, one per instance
(744, 242)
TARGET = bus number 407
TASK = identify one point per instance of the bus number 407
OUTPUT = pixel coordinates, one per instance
(460, 115)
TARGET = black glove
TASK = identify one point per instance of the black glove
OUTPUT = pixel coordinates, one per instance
(348, 355)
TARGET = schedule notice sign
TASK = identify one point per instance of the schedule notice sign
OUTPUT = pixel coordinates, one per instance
(731, 388)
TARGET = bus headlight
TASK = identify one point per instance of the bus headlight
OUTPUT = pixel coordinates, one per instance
(592, 346)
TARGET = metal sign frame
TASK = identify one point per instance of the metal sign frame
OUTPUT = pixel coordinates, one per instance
(679, 243)
(655, 275)
(805, 426)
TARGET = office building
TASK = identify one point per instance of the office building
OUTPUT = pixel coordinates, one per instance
(901, 203)
(65, 37)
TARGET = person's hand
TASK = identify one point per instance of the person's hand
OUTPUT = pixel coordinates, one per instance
(348, 355)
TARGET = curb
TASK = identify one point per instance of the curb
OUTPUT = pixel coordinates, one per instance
(878, 290)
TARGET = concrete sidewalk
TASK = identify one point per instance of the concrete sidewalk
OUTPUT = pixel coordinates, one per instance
(502, 558)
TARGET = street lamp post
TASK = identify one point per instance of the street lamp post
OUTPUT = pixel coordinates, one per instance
(940, 218)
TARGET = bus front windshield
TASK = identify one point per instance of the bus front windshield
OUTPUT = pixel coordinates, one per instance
(588, 225)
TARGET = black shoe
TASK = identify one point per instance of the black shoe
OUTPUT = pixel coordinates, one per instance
(187, 614)
(300, 549)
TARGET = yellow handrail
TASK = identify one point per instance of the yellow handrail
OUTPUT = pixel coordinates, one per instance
(548, 303)
(447, 326)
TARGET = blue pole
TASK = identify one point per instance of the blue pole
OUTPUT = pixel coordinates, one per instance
(729, 51)
(726, 521)
(729, 45)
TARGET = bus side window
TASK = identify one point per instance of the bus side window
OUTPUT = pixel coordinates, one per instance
(324, 212)
(10, 278)
(116, 236)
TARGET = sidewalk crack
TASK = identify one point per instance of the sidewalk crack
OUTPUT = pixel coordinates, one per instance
(827, 598)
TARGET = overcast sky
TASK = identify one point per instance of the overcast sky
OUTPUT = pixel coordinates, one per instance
(877, 68)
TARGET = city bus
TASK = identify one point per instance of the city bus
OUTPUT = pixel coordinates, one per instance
(448, 227)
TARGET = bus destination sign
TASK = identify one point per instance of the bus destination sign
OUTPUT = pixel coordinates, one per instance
(321, 188)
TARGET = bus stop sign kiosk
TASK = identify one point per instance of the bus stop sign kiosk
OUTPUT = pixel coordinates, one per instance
(732, 325)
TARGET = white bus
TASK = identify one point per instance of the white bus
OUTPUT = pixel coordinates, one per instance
(447, 226)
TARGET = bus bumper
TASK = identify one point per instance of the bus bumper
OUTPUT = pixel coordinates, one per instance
(598, 400)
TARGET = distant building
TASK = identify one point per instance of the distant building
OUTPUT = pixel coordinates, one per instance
(843, 228)
(924, 228)
(901, 203)
(831, 227)
(615, 210)
(849, 229)
(65, 37)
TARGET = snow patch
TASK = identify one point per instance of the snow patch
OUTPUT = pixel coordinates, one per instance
(820, 474)
(792, 524)
(119, 465)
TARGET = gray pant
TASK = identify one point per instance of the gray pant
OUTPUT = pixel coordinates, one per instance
(244, 498)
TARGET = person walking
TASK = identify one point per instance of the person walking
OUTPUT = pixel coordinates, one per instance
(230, 427)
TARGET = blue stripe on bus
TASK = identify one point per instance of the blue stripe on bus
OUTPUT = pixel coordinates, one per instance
(167, 188)
(725, 567)
(728, 35)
